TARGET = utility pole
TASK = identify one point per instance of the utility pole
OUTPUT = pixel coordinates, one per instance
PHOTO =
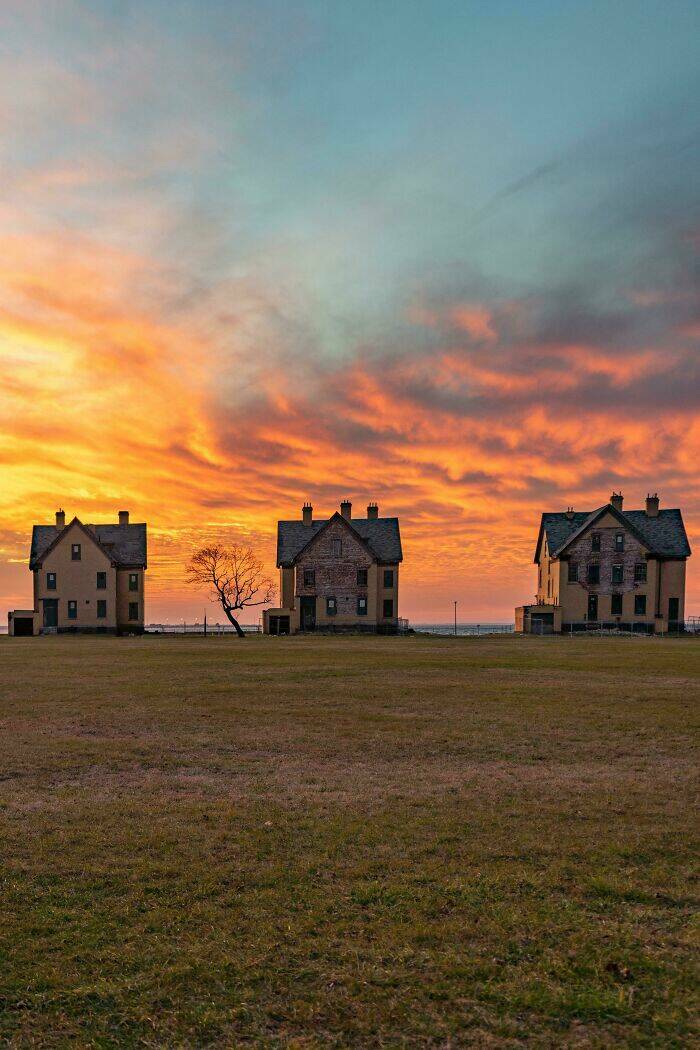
(455, 605)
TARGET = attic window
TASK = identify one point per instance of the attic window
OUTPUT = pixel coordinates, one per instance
(595, 541)
(619, 541)
(336, 548)
(75, 551)
(573, 572)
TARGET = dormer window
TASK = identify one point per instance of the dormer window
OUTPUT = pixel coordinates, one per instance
(619, 541)
(75, 551)
(595, 541)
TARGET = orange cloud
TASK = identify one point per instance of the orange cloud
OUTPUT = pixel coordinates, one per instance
(107, 399)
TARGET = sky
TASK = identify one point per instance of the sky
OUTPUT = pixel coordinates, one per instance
(441, 255)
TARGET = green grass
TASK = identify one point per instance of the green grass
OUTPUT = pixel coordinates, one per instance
(348, 842)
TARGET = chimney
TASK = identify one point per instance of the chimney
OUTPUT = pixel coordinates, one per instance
(372, 510)
(123, 517)
(345, 509)
(569, 513)
(652, 507)
(60, 519)
(616, 500)
(307, 513)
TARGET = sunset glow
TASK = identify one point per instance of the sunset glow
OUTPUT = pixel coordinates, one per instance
(221, 297)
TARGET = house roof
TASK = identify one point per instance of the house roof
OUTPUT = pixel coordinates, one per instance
(664, 535)
(125, 545)
(380, 535)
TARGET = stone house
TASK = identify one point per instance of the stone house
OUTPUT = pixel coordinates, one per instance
(87, 578)
(337, 573)
(609, 567)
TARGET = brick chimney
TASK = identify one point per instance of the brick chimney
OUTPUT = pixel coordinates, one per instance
(616, 500)
(346, 509)
(652, 507)
(372, 510)
(307, 513)
(60, 519)
(123, 517)
(569, 513)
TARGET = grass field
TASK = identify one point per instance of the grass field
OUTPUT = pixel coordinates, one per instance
(348, 842)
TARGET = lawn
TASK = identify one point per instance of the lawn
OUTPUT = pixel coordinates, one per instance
(348, 842)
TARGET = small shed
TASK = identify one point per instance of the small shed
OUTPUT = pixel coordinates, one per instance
(20, 623)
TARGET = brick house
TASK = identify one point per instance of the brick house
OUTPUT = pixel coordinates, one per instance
(609, 567)
(338, 573)
(87, 578)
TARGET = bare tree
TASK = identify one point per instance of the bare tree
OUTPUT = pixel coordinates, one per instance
(235, 578)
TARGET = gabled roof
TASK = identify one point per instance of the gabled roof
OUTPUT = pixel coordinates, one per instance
(663, 535)
(380, 536)
(124, 545)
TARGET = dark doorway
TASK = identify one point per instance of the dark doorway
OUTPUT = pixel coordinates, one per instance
(23, 626)
(307, 613)
(673, 609)
(279, 625)
(50, 612)
(542, 623)
(593, 607)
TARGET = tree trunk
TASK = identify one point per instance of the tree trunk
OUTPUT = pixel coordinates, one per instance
(239, 630)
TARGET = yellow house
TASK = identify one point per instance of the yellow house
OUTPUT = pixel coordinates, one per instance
(609, 567)
(337, 573)
(88, 577)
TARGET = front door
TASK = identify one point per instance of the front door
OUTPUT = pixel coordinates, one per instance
(593, 607)
(50, 612)
(673, 609)
(307, 611)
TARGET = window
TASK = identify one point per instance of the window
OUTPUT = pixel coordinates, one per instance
(619, 541)
(640, 572)
(616, 605)
(133, 610)
(101, 581)
(133, 581)
(362, 577)
(573, 572)
(640, 604)
(50, 581)
(336, 548)
(594, 572)
(595, 541)
(72, 610)
(101, 608)
(309, 577)
(361, 606)
(331, 604)
(75, 551)
(388, 608)
(617, 572)
(388, 577)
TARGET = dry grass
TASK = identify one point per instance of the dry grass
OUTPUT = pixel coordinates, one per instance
(361, 841)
